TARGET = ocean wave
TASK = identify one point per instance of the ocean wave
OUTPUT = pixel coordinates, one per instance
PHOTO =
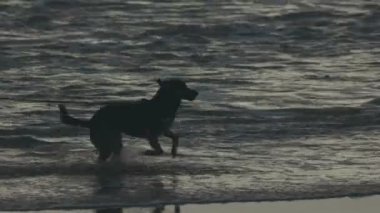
(21, 142)
(280, 112)
(375, 101)
(197, 32)
(86, 167)
(286, 123)
(311, 16)
(59, 4)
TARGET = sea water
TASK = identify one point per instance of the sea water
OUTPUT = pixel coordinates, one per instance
(287, 109)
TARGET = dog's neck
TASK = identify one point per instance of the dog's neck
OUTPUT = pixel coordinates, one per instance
(166, 103)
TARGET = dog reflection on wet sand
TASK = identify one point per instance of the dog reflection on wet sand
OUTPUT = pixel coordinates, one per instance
(160, 209)
(147, 119)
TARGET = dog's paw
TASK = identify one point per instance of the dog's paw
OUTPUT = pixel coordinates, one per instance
(62, 109)
(174, 153)
(152, 153)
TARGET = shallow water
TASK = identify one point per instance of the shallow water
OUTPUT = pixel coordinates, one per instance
(288, 105)
(347, 205)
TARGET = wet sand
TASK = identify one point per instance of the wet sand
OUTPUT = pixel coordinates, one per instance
(333, 205)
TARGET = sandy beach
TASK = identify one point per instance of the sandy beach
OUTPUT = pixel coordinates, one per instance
(333, 205)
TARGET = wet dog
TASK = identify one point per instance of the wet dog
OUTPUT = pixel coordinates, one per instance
(147, 119)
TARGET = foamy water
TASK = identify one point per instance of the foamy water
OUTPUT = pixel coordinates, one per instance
(288, 105)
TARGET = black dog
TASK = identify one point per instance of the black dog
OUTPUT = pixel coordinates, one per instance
(145, 119)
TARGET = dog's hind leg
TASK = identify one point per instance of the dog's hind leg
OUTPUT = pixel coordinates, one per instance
(157, 150)
(116, 151)
(168, 133)
(104, 154)
(107, 142)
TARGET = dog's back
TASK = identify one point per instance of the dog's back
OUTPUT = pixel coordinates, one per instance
(133, 118)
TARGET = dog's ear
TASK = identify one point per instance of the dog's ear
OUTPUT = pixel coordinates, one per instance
(159, 81)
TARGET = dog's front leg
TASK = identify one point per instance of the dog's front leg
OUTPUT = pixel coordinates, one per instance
(157, 150)
(174, 138)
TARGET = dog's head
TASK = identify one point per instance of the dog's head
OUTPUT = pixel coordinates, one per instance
(177, 88)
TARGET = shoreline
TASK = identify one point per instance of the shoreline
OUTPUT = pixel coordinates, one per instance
(366, 204)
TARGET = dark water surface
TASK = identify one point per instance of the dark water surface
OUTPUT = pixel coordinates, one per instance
(288, 105)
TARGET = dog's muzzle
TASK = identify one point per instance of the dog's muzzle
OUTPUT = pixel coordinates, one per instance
(190, 95)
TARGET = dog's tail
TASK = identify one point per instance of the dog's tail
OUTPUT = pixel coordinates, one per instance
(67, 119)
